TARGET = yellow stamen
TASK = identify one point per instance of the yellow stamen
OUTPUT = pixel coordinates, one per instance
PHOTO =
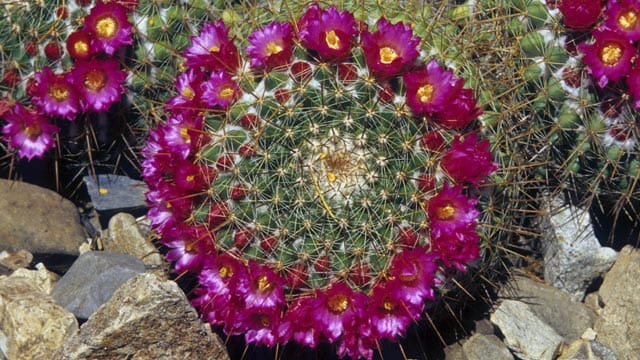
(387, 55)
(225, 272)
(188, 93)
(184, 133)
(95, 80)
(214, 49)
(445, 213)
(332, 40)
(611, 54)
(190, 178)
(338, 303)
(387, 305)
(425, 93)
(226, 93)
(263, 283)
(273, 48)
(628, 20)
(59, 93)
(81, 47)
(106, 27)
(33, 130)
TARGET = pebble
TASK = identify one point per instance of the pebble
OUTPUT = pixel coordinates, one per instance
(147, 318)
(92, 280)
(125, 237)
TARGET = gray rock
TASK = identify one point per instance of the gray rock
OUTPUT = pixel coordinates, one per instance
(483, 347)
(573, 257)
(454, 352)
(147, 318)
(32, 325)
(524, 333)
(587, 350)
(618, 326)
(556, 308)
(92, 280)
(38, 220)
(126, 238)
(115, 192)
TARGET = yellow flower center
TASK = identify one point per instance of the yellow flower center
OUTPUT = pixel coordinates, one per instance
(273, 48)
(95, 80)
(425, 93)
(214, 49)
(628, 20)
(445, 213)
(338, 303)
(408, 278)
(263, 284)
(265, 321)
(188, 93)
(332, 40)
(611, 54)
(190, 178)
(60, 93)
(184, 133)
(387, 305)
(81, 48)
(106, 27)
(226, 93)
(387, 55)
(225, 272)
(33, 130)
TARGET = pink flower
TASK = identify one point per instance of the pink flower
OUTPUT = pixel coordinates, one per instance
(624, 17)
(390, 314)
(580, 14)
(189, 98)
(468, 161)
(608, 58)
(220, 91)
(190, 246)
(412, 277)
(100, 83)
(79, 45)
(190, 177)
(328, 32)
(335, 308)
(450, 211)
(109, 25)
(390, 49)
(457, 248)
(259, 326)
(461, 110)
(28, 131)
(184, 135)
(271, 46)
(430, 90)
(264, 289)
(303, 332)
(213, 50)
(55, 95)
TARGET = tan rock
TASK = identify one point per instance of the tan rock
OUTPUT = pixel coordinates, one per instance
(32, 326)
(41, 278)
(125, 237)
(618, 326)
(147, 318)
(38, 220)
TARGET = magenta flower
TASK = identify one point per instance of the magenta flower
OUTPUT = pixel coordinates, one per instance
(390, 49)
(189, 98)
(412, 277)
(271, 46)
(190, 246)
(190, 177)
(390, 315)
(580, 14)
(608, 58)
(184, 135)
(633, 84)
(109, 25)
(457, 248)
(461, 110)
(624, 17)
(100, 83)
(468, 161)
(291, 327)
(28, 131)
(430, 90)
(328, 32)
(220, 91)
(264, 289)
(259, 326)
(450, 211)
(55, 95)
(213, 50)
(335, 308)
(79, 45)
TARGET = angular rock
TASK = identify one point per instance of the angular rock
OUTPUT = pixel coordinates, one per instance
(38, 220)
(92, 280)
(115, 192)
(43, 279)
(618, 326)
(555, 307)
(573, 257)
(32, 325)
(126, 238)
(13, 260)
(524, 333)
(147, 318)
(454, 352)
(587, 350)
(482, 347)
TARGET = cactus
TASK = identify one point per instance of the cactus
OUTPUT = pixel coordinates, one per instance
(323, 183)
(582, 85)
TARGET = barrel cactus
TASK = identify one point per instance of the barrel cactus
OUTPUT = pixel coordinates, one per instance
(320, 177)
(581, 66)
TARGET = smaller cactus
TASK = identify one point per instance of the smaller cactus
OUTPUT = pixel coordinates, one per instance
(320, 186)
